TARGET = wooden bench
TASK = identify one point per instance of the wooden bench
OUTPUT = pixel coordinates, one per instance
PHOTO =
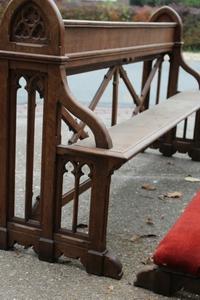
(44, 58)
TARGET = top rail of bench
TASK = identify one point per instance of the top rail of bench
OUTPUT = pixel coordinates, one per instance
(24, 32)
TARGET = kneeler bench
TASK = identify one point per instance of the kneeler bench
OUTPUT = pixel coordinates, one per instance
(45, 59)
(177, 257)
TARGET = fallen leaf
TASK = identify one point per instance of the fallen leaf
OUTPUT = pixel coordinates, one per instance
(174, 195)
(192, 179)
(148, 187)
(147, 261)
(149, 221)
(137, 237)
(150, 235)
(111, 288)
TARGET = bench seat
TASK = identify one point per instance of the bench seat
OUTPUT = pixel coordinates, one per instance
(150, 125)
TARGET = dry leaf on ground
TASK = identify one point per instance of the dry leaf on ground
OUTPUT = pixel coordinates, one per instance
(174, 195)
(137, 237)
(192, 179)
(111, 288)
(150, 235)
(148, 187)
(147, 261)
(149, 221)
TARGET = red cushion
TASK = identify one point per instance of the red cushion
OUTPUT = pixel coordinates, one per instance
(180, 248)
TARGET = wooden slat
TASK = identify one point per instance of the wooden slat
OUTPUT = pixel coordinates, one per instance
(72, 123)
(132, 136)
(115, 97)
(147, 85)
(159, 83)
(93, 104)
(129, 86)
(68, 197)
(30, 152)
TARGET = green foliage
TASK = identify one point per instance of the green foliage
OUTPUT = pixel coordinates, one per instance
(194, 3)
(150, 2)
(192, 33)
(101, 12)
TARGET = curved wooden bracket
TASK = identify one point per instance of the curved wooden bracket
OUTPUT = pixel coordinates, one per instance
(189, 70)
(101, 135)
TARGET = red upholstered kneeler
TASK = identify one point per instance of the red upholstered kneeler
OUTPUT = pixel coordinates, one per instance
(177, 257)
(180, 248)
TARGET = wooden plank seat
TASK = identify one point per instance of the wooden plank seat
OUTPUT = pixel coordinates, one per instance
(177, 257)
(45, 59)
(135, 134)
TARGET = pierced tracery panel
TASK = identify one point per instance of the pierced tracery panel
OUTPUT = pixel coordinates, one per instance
(75, 197)
(28, 25)
(26, 112)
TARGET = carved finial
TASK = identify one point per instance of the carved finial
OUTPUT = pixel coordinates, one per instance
(28, 25)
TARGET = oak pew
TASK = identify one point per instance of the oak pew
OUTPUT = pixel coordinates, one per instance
(45, 59)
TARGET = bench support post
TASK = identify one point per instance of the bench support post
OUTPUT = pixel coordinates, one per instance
(4, 154)
(90, 247)
(194, 153)
(99, 261)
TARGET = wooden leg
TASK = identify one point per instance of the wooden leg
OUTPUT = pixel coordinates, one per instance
(46, 250)
(98, 260)
(194, 153)
(4, 239)
(167, 147)
(4, 155)
(50, 139)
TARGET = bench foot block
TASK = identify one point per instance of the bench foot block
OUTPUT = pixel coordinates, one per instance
(167, 149)
(103, 264)
(194, 153)
(46, 250)
(166, 282)
(4, 245)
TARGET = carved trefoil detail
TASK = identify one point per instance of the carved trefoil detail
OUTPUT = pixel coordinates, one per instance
(29, 26)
